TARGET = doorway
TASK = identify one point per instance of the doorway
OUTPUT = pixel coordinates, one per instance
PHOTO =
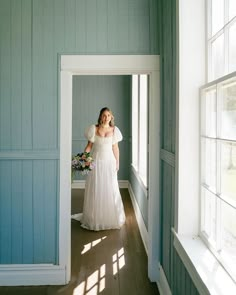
(109, 65)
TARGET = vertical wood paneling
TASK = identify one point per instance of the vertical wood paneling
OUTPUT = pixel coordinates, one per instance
(101, 27)
(32, 34)
(123, 31)
(5, 75)
(5, 212)
(91, 26)
(50, 210)
(49, 98)
(16, 75)
(166, 218)
(16, 212)
(38, 123)
(70, 29)
(39, 211)
(176, 274)
(59, 26)
(112, 26)
(44, 94)
(27, 216)
(26, 76)
(155, 25)
(81, 28)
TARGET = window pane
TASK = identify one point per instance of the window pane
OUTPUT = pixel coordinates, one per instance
(135, 120)
(228, 170)
(217, 60)
(232, 47)
(228, 111)
(232, 9)
(217, 15)
(143, 127)
(228, 236)
(209, 163)
(209, 215)
(209, 113)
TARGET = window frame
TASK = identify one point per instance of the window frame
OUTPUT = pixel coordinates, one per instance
(136, 163)
(215, 248)
(228, 23)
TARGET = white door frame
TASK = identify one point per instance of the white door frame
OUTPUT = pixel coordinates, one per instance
(109, 65)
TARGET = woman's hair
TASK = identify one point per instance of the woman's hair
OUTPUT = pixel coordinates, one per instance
(112, 122)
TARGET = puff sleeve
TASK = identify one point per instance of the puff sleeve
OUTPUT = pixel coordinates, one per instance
(90, 133)
(117, 136)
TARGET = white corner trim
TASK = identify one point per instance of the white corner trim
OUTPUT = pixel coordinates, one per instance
(207, 273)
(80, 184)
(163, 286)
(37, 274)
(138, 214)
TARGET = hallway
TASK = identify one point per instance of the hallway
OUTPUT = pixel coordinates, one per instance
(110, 262)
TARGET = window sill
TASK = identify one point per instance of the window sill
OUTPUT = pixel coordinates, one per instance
(143, 186)
(206, 272)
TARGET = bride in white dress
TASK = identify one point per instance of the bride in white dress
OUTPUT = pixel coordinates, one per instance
(103, 208)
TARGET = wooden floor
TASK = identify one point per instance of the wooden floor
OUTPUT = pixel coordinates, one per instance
(111, 262)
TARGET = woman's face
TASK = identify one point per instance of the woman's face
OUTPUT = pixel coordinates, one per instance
(106, 117)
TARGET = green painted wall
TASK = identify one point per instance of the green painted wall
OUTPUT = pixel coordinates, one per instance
(33, 33)
(176, 274)
(90, 95)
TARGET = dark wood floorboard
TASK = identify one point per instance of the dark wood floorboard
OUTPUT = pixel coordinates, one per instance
(111, 262)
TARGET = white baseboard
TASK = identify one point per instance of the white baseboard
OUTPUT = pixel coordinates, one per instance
(78, 184)
(81, 184)
(138, 214)
(37, 274)
(163, 286)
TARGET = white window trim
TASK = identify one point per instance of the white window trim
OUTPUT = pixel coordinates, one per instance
(144, 188)
(136, 168)
(191, 75)
(227, 79)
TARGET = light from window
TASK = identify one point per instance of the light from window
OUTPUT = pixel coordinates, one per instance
(140, 126)
(221, 38)
(135, 117)
(218, 170)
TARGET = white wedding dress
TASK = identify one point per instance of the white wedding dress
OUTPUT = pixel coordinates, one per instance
(103, 207)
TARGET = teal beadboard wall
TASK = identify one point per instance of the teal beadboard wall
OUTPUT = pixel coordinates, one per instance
(90, 95)
(33, 33)
(177, 276)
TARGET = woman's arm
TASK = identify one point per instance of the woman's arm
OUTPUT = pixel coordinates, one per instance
(116, 152)
(88, 147)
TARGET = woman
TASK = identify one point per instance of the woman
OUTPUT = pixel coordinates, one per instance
(103, 207)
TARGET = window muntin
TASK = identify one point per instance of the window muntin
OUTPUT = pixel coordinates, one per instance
(218, 170)
(221, 38)
(140, 126)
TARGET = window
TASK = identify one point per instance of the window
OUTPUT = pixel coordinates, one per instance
(140, 126)
(218, 136)
(221, 38)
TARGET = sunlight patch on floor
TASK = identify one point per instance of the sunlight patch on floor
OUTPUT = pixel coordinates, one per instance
(89, 246)
(94, 284)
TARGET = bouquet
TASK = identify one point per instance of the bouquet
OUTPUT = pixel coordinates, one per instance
(83, 163)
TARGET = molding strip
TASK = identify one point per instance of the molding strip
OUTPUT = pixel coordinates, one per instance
(80, 184)
(139, 218)
(168, 157)
(29, 155)
(26, 275)
(163, 285)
